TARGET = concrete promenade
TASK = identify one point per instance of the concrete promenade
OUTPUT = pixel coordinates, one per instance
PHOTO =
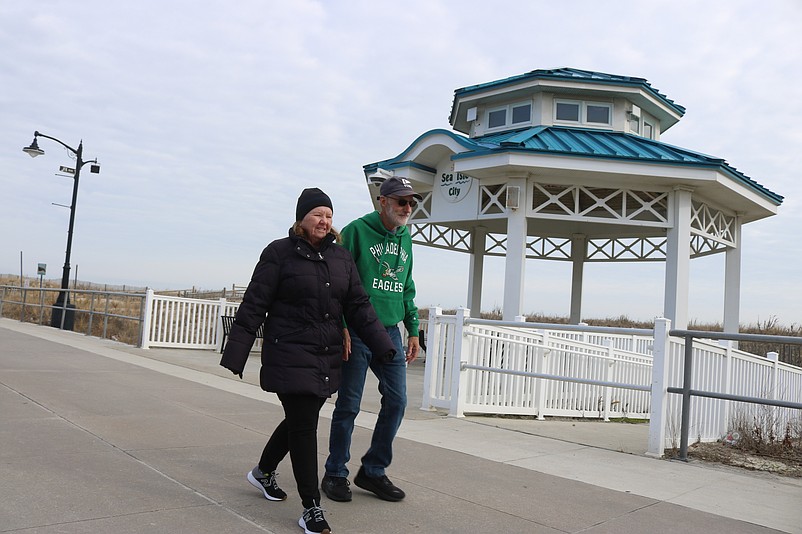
(96, 436)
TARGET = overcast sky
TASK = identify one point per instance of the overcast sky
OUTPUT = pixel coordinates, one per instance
(208, 119)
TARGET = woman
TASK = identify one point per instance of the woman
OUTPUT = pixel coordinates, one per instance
(307, 285)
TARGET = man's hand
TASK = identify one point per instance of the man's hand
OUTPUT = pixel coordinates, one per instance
(346, 344)
(413, 349)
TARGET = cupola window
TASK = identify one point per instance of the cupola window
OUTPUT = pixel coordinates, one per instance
(521, 113)
(580, 112)
(497, 118)
(510, 115)
(567, 111)
(598, 114)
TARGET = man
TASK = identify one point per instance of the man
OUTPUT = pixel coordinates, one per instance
(382, 249)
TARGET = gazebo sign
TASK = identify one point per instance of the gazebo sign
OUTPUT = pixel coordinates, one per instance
(454, 186)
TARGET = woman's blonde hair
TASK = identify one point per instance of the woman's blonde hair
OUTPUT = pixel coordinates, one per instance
(297, 230)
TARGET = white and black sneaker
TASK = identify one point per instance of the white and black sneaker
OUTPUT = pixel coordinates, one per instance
(267, 483)
(313, 522)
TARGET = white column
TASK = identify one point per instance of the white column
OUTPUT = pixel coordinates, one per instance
(578, 251)
(144, 333)
(659, 394)
(218, 325)
(514, 269)
(732, 282)
(462, 344)
(434, 359)
(678, 259)
(476, 270)
(726, 385)
(541, 367)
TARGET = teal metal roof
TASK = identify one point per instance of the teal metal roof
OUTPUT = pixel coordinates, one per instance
(578, 142)
(567, 73)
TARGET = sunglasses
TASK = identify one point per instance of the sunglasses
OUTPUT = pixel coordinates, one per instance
(403, 202)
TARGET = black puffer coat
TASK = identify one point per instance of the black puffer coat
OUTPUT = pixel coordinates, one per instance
(305, 294)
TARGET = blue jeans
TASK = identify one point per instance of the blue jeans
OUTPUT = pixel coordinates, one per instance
(393, 388)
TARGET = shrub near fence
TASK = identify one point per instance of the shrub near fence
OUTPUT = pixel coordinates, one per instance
(234, 294)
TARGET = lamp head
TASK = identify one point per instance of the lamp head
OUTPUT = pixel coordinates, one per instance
(379, 176)
(34, 149)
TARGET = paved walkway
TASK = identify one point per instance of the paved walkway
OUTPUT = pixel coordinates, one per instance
(96, 436)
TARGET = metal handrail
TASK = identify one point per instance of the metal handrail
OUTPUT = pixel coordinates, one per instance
(687, 392)
(25, 303)
(546, 376)
(571, 327)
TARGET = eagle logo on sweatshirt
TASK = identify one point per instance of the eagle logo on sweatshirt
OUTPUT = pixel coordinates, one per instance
(389, 272)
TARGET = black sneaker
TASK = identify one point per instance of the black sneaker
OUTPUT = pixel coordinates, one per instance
(336, 488)
(381, 486)
(266, 483)
(313, 522)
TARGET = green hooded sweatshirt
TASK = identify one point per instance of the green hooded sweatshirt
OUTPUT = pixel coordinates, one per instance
(384, 261)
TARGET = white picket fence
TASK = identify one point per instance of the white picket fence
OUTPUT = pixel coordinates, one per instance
(492, 367)
(180, 322)
(517, 369)
(186, 323)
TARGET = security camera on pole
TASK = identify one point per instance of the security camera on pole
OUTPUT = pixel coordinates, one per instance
(63, 312)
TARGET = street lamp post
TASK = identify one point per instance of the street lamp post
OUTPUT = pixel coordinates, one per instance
(63, 315)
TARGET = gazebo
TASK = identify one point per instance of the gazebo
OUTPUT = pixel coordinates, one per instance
(567, 165)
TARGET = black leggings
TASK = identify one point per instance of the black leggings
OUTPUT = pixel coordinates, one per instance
(297, 434)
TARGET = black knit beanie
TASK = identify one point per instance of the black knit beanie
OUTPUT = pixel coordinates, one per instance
(310, 199)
